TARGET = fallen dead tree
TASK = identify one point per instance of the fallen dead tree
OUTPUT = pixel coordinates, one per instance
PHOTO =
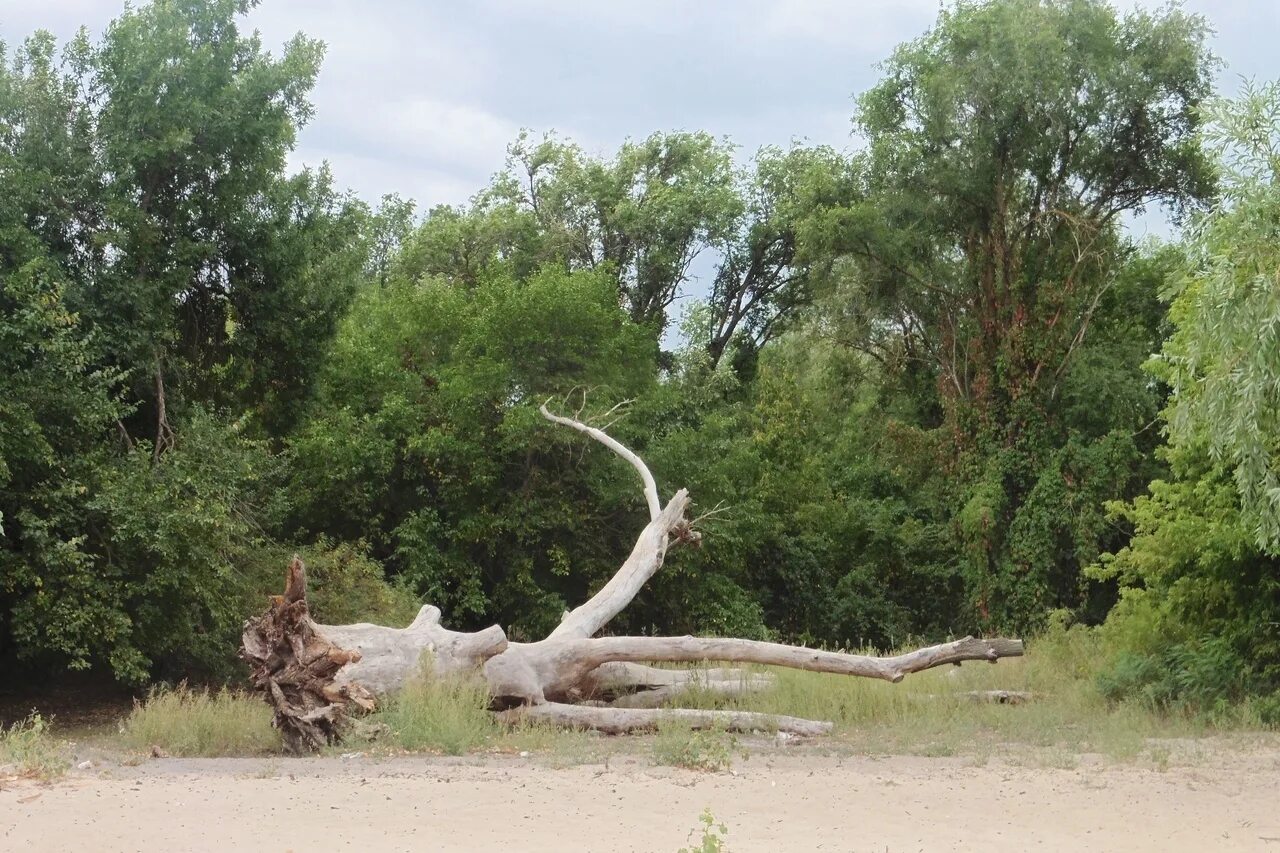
(315, 676)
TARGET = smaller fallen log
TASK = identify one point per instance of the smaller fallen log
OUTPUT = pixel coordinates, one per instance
(998, 697)
(633, 685)
(617, 721)
(995, 697)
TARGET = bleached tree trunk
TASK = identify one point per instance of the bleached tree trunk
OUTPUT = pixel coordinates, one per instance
(313, 674)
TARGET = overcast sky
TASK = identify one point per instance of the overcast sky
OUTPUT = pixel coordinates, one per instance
(421, 97)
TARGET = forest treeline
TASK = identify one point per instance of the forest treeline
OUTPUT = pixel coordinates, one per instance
(936, 386)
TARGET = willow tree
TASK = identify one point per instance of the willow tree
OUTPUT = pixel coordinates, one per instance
(1004, 148)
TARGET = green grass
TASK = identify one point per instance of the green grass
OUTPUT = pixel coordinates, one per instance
(27, 749)
(450, 716)
(927, 713)
(441, 715)
(188, 722)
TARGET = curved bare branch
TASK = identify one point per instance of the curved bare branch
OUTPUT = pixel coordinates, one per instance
(646, 558)
(650, 485)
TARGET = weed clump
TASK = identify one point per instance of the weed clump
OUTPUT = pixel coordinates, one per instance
(27, 749)
(187, 722)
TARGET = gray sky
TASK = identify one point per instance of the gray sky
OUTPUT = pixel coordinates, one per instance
(421, 98)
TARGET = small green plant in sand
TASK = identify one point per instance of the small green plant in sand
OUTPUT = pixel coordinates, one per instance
(185, 721)
(713, 835)
(27, 749)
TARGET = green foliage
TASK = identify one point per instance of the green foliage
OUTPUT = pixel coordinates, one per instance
(426, 441)
(713, 835)
(1224, 355)
(911, 405)
(641, 218)
(677, 744)
(1200, 611)
(1202, 677)
(345, 585)
(168, 293)
(982, 257)
(1200, 603)
(448, 715)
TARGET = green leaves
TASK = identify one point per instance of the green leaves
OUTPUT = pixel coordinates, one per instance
(1201, 587)
(156, 263)
(1223, 359)
(425, 438)
(980, 265)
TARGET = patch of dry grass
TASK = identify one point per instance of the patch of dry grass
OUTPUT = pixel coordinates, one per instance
(185, 721)
(27, 749)
(930, 713)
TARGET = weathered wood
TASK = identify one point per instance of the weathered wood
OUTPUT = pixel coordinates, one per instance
(632, 685)
(646, 558)
(657, 697)
(999, 697)
(390, 656)
(623, 720)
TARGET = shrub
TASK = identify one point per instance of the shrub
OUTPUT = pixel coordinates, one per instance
(678, 745)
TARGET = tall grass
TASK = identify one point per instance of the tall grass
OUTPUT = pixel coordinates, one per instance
(929, 713)
(440, 714)
(188, 722)
(27, 749)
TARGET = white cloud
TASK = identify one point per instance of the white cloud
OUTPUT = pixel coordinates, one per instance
(422, 96)
(874, 26)
(422, 129)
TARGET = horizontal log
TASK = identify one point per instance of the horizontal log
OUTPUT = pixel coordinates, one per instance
(623, 720)
(697, 649)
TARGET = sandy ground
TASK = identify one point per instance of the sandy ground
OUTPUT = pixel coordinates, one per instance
(782, 801)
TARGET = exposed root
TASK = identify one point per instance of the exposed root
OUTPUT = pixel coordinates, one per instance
(294, 667)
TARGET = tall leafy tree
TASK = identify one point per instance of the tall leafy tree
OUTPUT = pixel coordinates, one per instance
(644, 215)
(193, 122)
(762, 281)
(426, 443)
(1003, 148)
(1223, 360)
(160, 274)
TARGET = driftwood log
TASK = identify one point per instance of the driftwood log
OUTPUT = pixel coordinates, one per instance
(315, 676)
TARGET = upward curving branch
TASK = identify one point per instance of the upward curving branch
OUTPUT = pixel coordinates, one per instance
(646, 557)
(650, 485)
